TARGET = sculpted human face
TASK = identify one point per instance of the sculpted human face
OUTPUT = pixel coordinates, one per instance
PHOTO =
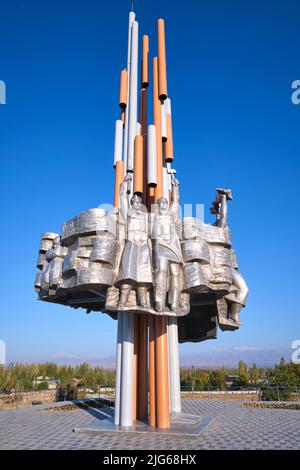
(163, 205)
(136, 203)
(56, 241)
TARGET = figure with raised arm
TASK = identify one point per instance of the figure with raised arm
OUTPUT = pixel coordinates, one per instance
(237, 296)
(135, 268)
(167, 252)
(219, 207)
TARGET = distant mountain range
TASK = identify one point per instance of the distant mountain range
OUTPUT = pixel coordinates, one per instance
(230, 357)
(216, 358)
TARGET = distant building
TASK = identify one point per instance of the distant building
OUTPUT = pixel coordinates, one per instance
(231, 379)
(52, 384)
(42, 378)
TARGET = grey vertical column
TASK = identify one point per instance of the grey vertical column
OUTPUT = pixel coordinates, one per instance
(133, 93)
(118, 151)
(131, 20)
(118, 370)
(126, 402)
(174, 371)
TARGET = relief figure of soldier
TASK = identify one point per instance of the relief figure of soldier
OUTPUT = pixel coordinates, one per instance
(136, 263)
(167, 252)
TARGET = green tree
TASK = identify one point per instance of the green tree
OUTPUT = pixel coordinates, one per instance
(217, 380)
(42, 386)
(254, 374)
(243, 378)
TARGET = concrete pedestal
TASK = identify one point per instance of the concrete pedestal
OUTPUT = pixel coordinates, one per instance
(183, 425)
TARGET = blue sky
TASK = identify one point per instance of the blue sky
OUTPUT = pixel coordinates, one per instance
(230, 69)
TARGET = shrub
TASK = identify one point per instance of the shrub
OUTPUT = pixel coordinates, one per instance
(42, 386)
(274, 394)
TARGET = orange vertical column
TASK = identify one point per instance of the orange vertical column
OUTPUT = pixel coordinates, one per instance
(143, 344)
(152, 387)
(143, 318)
(153, 194)
(144, 110)
(161, 340)
(169, 153)
(162, 374)
(145, 62)
(140, 187)
(123, 89)
(157, 123)
(162, 67)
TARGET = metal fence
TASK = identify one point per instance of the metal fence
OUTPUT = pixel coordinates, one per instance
(261, 392)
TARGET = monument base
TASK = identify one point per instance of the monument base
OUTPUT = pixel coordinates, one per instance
(183, 425)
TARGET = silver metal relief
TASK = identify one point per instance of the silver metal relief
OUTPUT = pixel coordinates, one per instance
(130, 260)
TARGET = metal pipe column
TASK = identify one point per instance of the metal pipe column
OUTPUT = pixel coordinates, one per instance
(133, 91)
(152, 378)
(162, 374)
(157, 123)
(143, 368)
(174, 371)
(160, 401)
(131, 20)
(127, 370)
(118, 369)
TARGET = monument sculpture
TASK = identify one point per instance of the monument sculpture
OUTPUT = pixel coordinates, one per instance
(135, 269)
(165, 279)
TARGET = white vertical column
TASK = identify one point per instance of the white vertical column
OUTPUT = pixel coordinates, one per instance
(138, 128)
(133, 92)
(118, 369)
(118, 141)
(151, 156)
(163, 122)
(166, 185)
(131, 20)
(169, 171)
(174, 371)
(126, 403)
(168, 107)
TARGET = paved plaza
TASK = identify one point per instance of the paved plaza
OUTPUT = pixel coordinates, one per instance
(234, 427)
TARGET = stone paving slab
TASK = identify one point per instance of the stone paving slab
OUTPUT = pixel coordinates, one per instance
(234, 427)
